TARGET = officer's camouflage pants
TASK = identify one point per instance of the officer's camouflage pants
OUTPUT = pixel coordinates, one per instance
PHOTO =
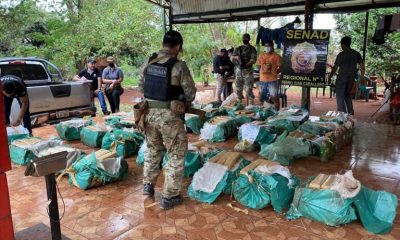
(244, 79)
(165, 131)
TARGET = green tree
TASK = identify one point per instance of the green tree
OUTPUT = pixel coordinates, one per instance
(379, 58)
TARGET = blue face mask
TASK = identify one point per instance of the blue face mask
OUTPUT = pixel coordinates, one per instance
(267, 49)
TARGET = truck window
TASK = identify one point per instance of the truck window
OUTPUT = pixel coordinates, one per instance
(25, 71)
(55, 74)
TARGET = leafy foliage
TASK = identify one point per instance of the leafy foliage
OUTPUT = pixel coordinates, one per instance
(379, 58)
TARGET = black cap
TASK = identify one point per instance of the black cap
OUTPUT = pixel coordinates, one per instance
(246, 36)
(172, 38)
(91, 60)
(223, 50)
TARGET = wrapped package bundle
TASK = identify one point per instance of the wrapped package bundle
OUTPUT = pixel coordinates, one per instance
(286, 149)
(26, 149)
(125, 141)
(15, 133)
(318, 128)
(127, 122)
(327, 199)
(257, 133)
(288, 119)
(195, 157)
(216, 176)
(334, 116)
(218, 129)
(115, 118)
(325, 148)
(97, 169)
(263, 182)
(72, 156)
(262, 114)
(193, 123)
(92, 136)
(71, 130)
(376, 209)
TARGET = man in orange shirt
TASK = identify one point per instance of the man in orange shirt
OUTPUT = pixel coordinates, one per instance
(269, 63)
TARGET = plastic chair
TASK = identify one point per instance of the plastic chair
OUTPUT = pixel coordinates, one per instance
(363, 89)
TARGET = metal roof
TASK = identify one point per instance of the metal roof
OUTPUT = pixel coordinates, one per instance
(198, 11)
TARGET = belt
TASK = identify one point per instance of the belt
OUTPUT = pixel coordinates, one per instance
(158, 104)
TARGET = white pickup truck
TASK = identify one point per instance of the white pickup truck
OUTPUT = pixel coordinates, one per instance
(51, 98)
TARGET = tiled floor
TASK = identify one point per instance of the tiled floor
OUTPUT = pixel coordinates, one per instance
(120, 211)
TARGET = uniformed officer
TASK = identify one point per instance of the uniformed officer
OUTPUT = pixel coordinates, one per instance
(244, 57)
(164, 78)
(14, 87)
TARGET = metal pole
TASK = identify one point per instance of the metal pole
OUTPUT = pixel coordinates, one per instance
(308, 19)
(53, 207)
(365, 34)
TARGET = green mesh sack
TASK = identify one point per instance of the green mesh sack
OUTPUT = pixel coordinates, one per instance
(21, 156)
(16, 133)
(71, 130)
(211, 154)
(282, 125)
(286, 149)
(324, 148)
(219, 132)
(140, 156)
(325, 206)
(22, 151)
(193, 123)
(126, 141)
(257, 134)
(263, 114)
(250, 190)
(281, 193)
(207, 196)
(193, 162)
(242, 119)
(376, 209)
(233, 174)
(88, 172)
(317, 128)
(92, 136)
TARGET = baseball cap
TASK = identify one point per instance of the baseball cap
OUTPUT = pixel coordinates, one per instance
(91, 60)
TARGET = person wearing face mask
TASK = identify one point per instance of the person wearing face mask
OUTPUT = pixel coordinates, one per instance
(165, 80)
(244, 57)
(222, 65)
(92, 73)
(113, 77)
(269, 63)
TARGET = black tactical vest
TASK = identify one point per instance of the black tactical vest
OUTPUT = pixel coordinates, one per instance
(157, 84)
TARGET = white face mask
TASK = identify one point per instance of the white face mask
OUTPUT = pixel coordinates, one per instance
(267, 49)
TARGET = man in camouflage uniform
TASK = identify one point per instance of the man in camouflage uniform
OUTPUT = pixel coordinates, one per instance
(244, 57)
(165, 130)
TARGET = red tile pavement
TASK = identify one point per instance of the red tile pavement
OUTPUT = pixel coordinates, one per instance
(120, 211)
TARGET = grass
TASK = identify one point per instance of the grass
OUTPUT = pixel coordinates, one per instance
(130, 82)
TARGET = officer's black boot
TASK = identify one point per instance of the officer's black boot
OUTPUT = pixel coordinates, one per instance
(148, 189)
(168, 203)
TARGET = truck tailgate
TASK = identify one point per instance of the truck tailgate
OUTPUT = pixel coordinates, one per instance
(59, 96)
